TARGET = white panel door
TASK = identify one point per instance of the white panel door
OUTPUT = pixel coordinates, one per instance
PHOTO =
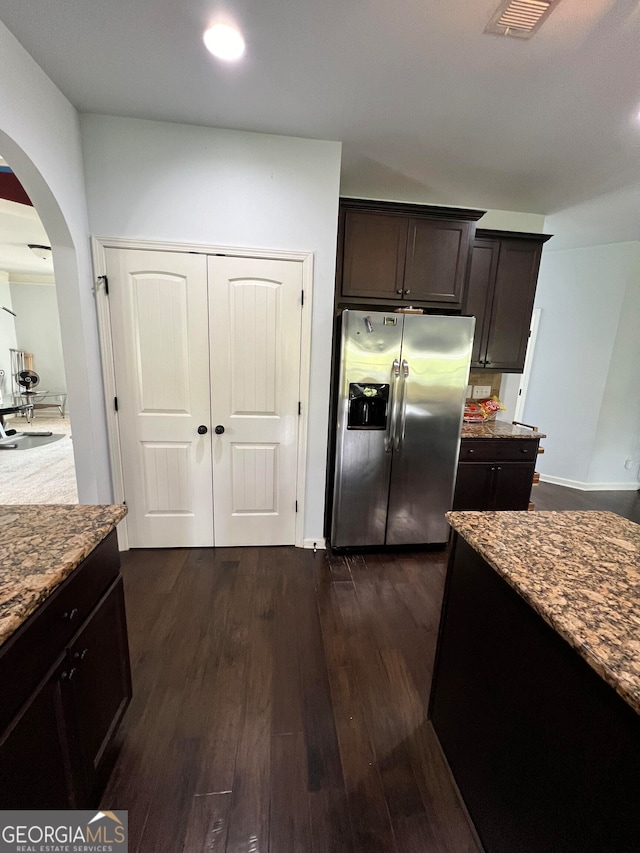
(159, 315)
(255, 324)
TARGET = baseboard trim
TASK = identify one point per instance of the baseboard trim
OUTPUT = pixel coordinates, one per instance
(589, 487)
(318, 543)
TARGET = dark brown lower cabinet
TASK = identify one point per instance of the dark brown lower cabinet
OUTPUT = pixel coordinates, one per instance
(35, 761)
(499, 477)
(544, 752)
(52, 749)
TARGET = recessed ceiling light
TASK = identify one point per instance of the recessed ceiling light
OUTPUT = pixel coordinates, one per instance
(224, 41)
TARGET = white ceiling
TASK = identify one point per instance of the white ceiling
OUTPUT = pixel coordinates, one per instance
(19, 226)
(428, 107)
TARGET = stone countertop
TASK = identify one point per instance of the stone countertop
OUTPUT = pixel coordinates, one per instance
(40, 545)
(580, 571)
(498, 429)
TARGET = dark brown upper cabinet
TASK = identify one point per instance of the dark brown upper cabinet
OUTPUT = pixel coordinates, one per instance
(500, 294)
(393, 254)
(374, 250)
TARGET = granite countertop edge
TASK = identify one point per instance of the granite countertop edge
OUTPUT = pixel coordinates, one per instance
(497, 429)
(50, 543)
(625, 685)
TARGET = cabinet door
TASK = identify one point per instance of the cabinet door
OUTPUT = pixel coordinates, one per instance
(100, 675)
(437, 256)
(514, 292)
(484, 261)
(35, 763)
(474, 486)
(374, 252)
(512, 487)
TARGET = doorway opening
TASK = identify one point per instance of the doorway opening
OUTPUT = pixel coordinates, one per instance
(36, 450)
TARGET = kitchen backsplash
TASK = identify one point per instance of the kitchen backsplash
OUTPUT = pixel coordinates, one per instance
(482, 385)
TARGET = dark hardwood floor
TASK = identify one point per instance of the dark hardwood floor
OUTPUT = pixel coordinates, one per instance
(548, 496)
(280, 705)
(280, 700)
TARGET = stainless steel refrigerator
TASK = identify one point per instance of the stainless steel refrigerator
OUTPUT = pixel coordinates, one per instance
(402, 386)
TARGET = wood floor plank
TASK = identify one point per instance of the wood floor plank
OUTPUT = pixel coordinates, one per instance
(249, 814)
(368, 810)
(168, 816)
(444, 811)
(208, 824)
(339, 567)
(289, 820)
(333, 629)
(330, 822)
(387, 729)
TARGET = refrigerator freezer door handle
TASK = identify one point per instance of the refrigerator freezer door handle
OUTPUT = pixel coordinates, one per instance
(390, 437)
(403, 405)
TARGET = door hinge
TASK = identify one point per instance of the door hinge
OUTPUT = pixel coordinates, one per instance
(299, 407)
(296, 506)
(115, 403)
(301, 298)
(104, 279)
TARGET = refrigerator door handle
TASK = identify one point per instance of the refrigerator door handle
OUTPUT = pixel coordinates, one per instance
(390, 437)
(403, 404)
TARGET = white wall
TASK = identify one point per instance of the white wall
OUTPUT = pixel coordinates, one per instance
(513, 220)
(181, 183)
(582, 295)
(38, 331)
(40, 139)
(618, 431)
(7, 335)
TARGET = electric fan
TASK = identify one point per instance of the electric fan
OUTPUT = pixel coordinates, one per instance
(28, 379)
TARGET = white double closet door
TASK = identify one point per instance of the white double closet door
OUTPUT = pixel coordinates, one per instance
(207, 371)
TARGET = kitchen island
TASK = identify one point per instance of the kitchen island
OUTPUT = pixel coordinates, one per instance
(496, 466)
(536, 690)
(64, 662)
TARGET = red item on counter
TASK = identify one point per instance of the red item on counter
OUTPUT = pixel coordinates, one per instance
(477, 411)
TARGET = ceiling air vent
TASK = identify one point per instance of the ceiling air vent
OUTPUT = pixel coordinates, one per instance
(520, 18)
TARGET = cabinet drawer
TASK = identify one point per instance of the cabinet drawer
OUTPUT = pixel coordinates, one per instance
(478, 449)
(498, 449)
(517, 449)
(27, 655)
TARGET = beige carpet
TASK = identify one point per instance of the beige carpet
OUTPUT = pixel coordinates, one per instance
(39, 475)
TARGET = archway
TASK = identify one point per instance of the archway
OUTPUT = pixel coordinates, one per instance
(80, 348)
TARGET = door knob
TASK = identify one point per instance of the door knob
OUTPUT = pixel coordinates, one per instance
(202, 430)
(219, 429)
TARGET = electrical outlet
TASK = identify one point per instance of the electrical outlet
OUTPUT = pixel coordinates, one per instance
(482, 391)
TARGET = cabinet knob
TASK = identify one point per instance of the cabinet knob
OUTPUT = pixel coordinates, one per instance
(399, 291)
(80, 655)
(523, 450)
(408, 290)
(202, 430)
(70, 614)
(471, 451)
(219, 429)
